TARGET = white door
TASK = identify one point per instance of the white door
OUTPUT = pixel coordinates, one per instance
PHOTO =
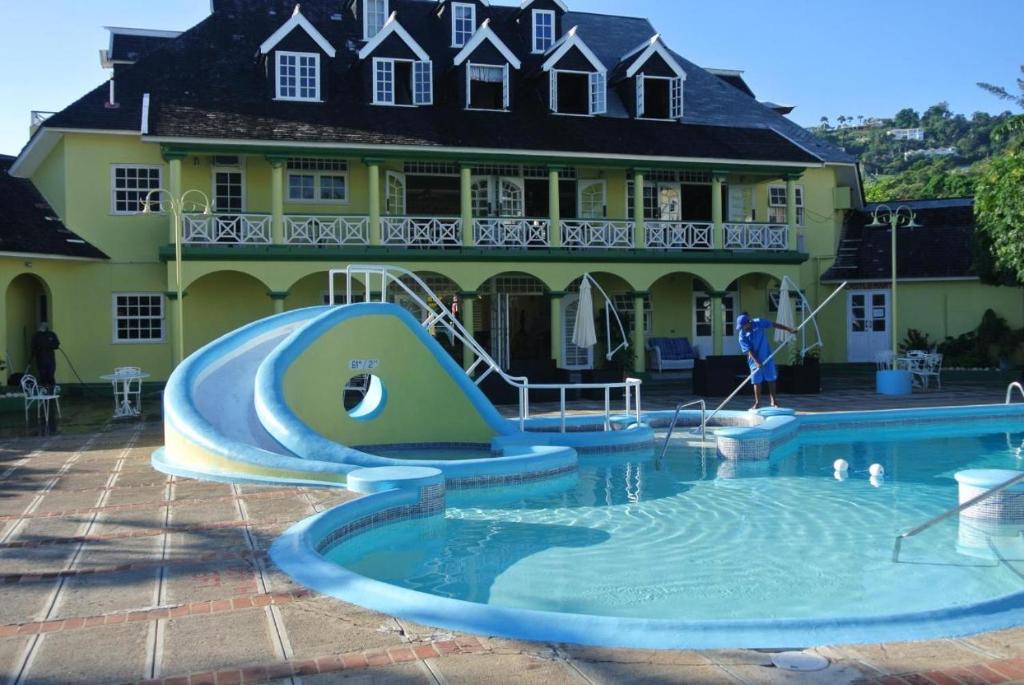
(592, 202)
(867, 325)
(703, 336)
(510, 197)
(228, 190)
(669, 202)
(573, 358)
(500, 348)
(483, 200)
(741, 203)
(394, 201)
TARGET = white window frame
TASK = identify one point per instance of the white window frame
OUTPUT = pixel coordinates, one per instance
(456, 6)
(298, 87)
(598, 93)
(417, 66)
(228, 169)
(139, 341)
(776, 205)
(317, 187)
(537, 49)
(623, 303)
(675, 97)
(553, 92)
(505, 99)
(366, 16)
(156, 199)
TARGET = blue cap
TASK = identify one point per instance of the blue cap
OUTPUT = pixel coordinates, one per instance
(742, 320)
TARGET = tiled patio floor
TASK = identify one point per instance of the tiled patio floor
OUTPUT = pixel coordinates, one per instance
(111, 572)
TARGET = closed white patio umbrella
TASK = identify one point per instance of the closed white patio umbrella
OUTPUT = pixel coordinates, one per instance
(584, 333)
(785, 315)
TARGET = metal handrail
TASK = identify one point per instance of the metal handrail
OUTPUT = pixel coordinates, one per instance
(675, 419)
(1009, 390)
(438, 313)
(898, 544)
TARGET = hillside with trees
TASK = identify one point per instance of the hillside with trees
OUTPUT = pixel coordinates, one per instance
(944, 164)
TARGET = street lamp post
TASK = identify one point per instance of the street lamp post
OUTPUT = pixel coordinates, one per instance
(904, 216)
(177, 206)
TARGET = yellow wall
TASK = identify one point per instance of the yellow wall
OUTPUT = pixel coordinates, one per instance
(51, 179)
(220, 303)
(413, 378)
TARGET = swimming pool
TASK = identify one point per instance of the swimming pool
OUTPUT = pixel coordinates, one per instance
(696, 551)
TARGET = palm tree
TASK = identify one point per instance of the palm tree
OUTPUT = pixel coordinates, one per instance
(824, 123)
(1014, 126)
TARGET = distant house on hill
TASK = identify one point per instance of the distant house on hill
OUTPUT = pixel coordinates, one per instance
(906, 133)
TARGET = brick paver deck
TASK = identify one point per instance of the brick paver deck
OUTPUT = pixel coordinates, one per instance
(113, 573)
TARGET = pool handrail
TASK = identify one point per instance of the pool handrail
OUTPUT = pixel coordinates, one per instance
(675, 419)
(1009, 390)
(898, 544)
(778, 349)
(438, 314)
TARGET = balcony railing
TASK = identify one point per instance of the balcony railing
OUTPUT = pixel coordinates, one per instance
(750, 236)
(326, 230)
(680, 235)
(512, 233)
(226, 229)
(599, 234)
(408, 231)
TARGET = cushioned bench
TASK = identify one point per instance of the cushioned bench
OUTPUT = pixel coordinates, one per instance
(670, 354)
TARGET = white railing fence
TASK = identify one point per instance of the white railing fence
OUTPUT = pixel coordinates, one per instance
(597, 234)
(680, 235)
(226, 229)
(436, 313)
(515, 233)
(326, 230)
(409, 231)
(751, 236)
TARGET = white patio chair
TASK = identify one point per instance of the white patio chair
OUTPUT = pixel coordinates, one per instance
(38, 396)
(930, 367)
(884, 360)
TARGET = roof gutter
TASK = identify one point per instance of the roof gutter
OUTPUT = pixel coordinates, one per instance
(54, 257)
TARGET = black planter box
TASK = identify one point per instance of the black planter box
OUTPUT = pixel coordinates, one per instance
(800, 380)
(718, 376)
(603, 376)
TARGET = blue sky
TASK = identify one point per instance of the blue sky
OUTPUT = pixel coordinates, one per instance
(869, 58)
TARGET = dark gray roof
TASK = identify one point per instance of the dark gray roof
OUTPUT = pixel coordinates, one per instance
(209, 83)
(28, 225)
(942, 248)
(127, 47)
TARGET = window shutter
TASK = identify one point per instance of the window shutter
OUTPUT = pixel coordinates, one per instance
(423, 86)
(505, 88)
(598, 94)
(676, 98)
(639, 95)
(553, 75)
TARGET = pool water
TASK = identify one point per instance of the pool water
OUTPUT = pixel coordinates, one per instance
(698, 538)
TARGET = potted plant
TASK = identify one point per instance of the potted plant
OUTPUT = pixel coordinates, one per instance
(616, 370)
(802, 376)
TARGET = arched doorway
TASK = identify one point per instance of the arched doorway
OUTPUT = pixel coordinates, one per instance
(513, 322)
(26, 305)
(607, 326)
(221, 302)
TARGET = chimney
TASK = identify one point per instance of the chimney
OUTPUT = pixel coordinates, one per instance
(112, 99)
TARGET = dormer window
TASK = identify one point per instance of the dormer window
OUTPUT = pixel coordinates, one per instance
(578, 92)
(543, 30)
(487, 87)
(375, 13)
(298, 76)
(658, 97)
(402, 82)
(463, 23)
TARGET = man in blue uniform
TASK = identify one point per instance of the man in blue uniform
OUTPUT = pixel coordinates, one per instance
(754, 343)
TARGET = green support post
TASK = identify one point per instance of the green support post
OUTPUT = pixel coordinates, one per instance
(466, 200)
(554, 208)
(373, 189)
(640, 235)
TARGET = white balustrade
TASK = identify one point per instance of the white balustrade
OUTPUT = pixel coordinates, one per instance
(326, 230)
(226, 229)
(515, 233)
(751, 236)
(597, 234)
(680, 235)
(408, 231)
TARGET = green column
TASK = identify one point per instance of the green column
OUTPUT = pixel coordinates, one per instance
(717, 233)
(467, 308)
(466, 198)
(639, 344)
(555, 299)
(554, 207)
(278, 297)
(373, 190)
(173, 188)
(791, 211)
(276, 200)
(717, 322)
(640, 236)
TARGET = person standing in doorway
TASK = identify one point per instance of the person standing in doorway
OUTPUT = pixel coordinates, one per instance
(45, 343)
(754, 344)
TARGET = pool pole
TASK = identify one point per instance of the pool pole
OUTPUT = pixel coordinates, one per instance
(777, 350)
